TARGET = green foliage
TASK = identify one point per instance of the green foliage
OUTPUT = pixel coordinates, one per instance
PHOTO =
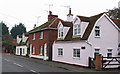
(7, 42)
(4, 28)
(114, 13)
(18, 30)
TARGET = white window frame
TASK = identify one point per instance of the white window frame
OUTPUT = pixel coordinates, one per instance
(109, 52)
(60, 51)
(33, 51)
(60, 33)
(97, 31)
(41, 35)
(17, 50)
(41, 50)
(75, 53)
(76, 27)
(34, 36)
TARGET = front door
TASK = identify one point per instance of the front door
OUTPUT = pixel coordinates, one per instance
(45, 51)
(20, 51)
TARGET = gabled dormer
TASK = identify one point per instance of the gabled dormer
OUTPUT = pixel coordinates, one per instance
(80, 24)
(19, 38)
(63, 28)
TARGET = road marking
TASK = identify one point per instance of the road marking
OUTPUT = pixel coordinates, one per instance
(18, 64)
(33, 70)
(7, 60)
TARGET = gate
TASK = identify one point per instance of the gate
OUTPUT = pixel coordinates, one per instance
(91, 62)
(112, 61)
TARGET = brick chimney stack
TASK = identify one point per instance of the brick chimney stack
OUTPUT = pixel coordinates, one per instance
(51, 16)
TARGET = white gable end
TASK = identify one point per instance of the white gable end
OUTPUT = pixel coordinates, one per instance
(108, 38)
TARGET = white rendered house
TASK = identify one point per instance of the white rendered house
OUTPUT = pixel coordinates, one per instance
(22, 44)
(87, 37)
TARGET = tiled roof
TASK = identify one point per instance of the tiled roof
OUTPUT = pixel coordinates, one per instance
(117, 22)
(49, 24)
(91, 20)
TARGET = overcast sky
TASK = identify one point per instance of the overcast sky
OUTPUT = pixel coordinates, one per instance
(26, 11)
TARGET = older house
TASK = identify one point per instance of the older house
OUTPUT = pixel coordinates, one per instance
(22, 44)
(41, 38)
(85, 37)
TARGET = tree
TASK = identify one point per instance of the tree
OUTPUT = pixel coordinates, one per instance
(18, 30)
(114, 13)
(5, 30)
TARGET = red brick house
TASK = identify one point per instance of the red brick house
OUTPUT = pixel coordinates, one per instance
(41, 38)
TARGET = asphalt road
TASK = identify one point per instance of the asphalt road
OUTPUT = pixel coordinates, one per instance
(11, 63)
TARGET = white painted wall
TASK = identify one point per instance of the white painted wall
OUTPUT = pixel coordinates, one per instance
(108, 38)
(68, 52)
(18, 50)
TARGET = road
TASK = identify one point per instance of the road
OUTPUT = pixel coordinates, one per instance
(12, 63)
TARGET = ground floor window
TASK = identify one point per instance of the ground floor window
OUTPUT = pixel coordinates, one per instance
(41, 49)
(60, 52)
(17, 51)
(33, 50)
(109, 54)
(76, 53)
(96, 52)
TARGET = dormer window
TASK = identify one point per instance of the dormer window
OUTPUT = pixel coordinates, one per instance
(76, 30)
(97, 31)
(60, 33)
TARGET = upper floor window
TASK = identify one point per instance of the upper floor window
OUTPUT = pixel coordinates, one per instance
(41, 35)
(97, 31)
(76, 29)
(60, 33)
(34, 36)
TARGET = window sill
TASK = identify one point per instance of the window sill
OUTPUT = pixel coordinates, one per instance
(60, 55)
(59, 38)
(76, 58)
(33, 39)
(75, 36)
(97, 36)
(41, 38)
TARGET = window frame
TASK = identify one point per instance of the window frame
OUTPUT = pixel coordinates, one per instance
(76, 29)
(97, 31)
(41, 50)
(33, 36)
(41, 35)
(60, 33)
(76, 53)
(60, 52)
(109, 53)
(96, 53)
(33, 51)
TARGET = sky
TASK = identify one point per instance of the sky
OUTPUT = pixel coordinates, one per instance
(30, 12)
